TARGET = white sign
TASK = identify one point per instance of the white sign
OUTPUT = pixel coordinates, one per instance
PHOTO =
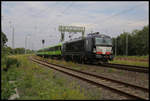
(71, 29)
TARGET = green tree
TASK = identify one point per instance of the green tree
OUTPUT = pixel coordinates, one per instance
(3, 39)
(19, 50)
(138, 42)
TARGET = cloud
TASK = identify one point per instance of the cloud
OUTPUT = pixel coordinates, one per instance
(41, 19)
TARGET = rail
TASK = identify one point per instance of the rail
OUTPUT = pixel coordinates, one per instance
(114, 85)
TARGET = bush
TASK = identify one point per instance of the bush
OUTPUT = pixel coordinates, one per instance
(9, 62)
(7, 90)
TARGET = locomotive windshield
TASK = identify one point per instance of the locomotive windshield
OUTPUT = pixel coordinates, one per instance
(103, 41)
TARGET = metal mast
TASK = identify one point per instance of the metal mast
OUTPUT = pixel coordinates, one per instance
(127, 45)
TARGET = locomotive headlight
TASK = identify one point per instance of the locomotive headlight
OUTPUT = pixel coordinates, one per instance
(98, 49)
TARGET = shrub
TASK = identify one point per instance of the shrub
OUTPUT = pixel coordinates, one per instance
(11, 61)
(7, 90)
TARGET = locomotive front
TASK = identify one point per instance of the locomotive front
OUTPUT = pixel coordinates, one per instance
(103, 48)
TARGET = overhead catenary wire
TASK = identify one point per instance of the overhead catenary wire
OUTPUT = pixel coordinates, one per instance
(119, 13)
(62, 11)
(43, 10)
(67, 8)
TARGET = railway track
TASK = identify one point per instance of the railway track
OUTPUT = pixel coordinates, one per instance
(128, 90)
(126, 67)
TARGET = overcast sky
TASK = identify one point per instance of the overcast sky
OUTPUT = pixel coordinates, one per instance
(40, 20)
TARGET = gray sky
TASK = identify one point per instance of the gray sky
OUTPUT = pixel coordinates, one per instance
(40, 20)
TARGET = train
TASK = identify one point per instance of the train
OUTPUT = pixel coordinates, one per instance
(95, 47)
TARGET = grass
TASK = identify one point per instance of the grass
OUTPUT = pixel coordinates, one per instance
(134, 57)
(127, 62)
(116, 61)
(64, 63)
(110, 70)
(11, 74)
(131, 60)
(34, 82)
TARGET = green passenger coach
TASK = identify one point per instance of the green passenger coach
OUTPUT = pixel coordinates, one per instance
(53, 51)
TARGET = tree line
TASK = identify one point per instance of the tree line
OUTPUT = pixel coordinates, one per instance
(8, 50)
(138, 42)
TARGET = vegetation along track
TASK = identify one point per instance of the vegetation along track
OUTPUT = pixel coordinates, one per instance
(126, 67)
(128, 90)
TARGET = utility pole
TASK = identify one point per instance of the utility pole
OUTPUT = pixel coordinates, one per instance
(116, 47)
(25, 43)
(13, 44)
(127, 45)
(1, 38)
(12, 34)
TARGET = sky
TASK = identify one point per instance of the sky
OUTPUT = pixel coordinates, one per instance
(36, 21)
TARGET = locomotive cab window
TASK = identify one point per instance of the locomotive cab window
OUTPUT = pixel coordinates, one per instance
(103, 41)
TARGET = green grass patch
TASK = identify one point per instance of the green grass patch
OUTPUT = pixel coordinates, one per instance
(134, 57)
(64, 63)
(37, 82)
(135, 63)
(110, 70)
(9, 72)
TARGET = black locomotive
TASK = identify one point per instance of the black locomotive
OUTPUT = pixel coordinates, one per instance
(94, 48)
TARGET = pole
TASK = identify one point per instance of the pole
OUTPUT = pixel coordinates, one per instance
(116, 47)
(1, 39)
(13, 39)
(25, 43)
(35, 33)
(28, 43)
(83, 32)
(32, 46)
(12, 33)
(124, 48)
(127, 45)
